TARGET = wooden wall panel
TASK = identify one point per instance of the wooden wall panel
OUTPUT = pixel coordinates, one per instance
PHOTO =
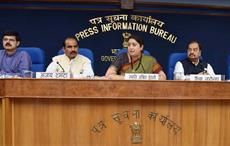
(100, 112)
(58, 122)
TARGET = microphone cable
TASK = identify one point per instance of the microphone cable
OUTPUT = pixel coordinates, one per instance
(139, 64)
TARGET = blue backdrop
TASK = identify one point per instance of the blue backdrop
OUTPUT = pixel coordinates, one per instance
(48, 28)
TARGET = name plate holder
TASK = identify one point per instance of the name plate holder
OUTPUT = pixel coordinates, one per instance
(49, 75)
(138, 76)
(205, 77)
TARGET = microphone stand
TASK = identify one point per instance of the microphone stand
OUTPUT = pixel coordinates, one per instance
(60, 66)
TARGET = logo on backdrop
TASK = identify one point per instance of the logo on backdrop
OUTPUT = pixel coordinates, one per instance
(125, 35)
(126, 22)
(114, 52)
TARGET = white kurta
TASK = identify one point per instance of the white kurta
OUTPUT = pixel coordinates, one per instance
(80, 65)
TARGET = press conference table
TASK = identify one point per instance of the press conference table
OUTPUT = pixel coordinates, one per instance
(49, 112)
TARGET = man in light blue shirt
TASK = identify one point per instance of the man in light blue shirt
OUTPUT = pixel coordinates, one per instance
(12, 61)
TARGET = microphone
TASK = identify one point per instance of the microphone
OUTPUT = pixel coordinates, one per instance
(139, 64)
(205, 71)
(204, 68)
(131, 59)
(60, 66)
(143, 68)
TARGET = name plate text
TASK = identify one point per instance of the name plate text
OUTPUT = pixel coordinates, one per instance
(130, 76)
(56, 75)
(205, 77)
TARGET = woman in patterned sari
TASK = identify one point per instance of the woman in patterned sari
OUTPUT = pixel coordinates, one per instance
(134, 61)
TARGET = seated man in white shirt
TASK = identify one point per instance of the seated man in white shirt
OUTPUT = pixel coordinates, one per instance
(71, 61)
(193, 64)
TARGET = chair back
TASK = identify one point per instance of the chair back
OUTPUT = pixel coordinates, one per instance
(83, 51)
(37, 56)
(124, 50)
(173, 58)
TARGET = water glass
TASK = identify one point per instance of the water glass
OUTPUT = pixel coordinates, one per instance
(27, 74)
(222, 77)
(178, 76)
(2, 75)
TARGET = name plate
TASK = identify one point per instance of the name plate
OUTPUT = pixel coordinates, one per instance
(49, 75)
(137, 76)
(205, 77)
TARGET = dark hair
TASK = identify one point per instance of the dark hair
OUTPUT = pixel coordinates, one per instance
(12, 33)
(194, 41)
(137, 38)
(70, 37)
